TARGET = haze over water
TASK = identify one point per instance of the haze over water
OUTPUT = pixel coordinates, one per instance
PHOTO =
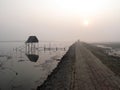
(49, 20)
(58, 20)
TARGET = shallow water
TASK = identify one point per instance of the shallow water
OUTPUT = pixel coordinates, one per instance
(17, 72)
(111, 50)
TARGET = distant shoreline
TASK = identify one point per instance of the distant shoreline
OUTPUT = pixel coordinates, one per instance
(12, 41)
(39, 41)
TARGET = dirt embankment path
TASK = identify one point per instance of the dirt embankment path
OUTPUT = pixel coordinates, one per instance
(79, 69)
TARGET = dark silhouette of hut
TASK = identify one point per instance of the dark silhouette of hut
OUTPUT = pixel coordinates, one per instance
(32, 45)
(32, 39)
(32, 57)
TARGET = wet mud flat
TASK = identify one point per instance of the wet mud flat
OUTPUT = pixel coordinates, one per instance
(80, 69)
(110, 61)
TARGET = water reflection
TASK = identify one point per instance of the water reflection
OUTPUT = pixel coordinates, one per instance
(24, 66)
(32, 45)
(32, 57)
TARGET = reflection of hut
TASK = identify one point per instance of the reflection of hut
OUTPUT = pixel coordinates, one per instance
(32, 57)
(32, 45)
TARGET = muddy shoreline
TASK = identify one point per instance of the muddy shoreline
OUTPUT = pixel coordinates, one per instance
(60, 78)
(63, 75)
(113, 63)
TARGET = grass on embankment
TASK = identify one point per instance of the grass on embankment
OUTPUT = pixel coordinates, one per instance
(111, 62)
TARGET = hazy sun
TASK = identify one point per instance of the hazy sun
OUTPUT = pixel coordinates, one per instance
(86, 22)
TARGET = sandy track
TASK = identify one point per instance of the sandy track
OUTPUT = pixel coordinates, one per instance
(79, 69)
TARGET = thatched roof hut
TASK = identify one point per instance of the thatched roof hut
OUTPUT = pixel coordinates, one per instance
(32, 39)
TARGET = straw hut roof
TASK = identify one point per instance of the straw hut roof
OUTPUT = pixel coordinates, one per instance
(32, 39)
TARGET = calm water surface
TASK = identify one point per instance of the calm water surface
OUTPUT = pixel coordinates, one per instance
(17, 72)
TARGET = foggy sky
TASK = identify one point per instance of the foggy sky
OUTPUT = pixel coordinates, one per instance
(46, 20)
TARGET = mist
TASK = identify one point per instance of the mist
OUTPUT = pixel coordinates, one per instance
(49, 22)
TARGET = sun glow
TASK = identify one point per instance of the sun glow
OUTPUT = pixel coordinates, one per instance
(86, 22)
